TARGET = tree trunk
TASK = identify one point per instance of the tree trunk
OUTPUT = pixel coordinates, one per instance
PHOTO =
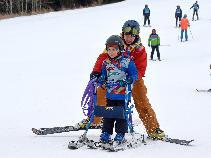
(10, 6)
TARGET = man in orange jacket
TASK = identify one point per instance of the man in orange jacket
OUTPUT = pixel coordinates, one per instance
(184, 24)
(137, 52)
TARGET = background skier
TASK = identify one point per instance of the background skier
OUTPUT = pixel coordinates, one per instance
(146, 14)
(154, 42)
(184, 24)
(195, 7)
(178, 14)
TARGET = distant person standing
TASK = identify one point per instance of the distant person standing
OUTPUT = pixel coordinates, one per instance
(146, 14)
(184, 24)
(195, 7)
(154, 42)
(178, 14)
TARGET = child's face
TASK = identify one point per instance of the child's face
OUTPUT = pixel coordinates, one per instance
(129, 39)
(113, 51)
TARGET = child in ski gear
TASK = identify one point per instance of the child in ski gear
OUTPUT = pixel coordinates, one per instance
(184, 24)
(116, 69)
(154, 42)
(178, 14)
(146, 14)
(137, 53)
(195, 7)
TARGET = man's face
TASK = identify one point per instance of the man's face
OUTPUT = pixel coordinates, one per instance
(153, 31)
(113, 51)
(129, 39)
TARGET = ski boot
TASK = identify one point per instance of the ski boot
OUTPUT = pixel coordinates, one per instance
(120, 137)
(157, 134)
(105, 137)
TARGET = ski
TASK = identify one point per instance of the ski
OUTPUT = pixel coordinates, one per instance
(178, 141)
(155, 60)
(174, 140)
(53, 130)
(111, 146)
(115, 146)
(132, 144)
(82, 141)
(152, 60)
(147, 26)
(203, 90)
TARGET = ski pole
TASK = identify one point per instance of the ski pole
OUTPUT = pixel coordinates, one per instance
(179, 34)
(191, 33)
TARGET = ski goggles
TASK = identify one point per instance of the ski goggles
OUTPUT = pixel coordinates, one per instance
(129, 30)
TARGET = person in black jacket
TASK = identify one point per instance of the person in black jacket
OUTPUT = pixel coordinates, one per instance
(178, 14)
(146, 14)
(195, 7)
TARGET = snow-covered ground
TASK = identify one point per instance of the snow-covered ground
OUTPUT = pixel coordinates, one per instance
(45, 62)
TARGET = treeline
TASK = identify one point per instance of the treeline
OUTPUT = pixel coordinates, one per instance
(33, 6)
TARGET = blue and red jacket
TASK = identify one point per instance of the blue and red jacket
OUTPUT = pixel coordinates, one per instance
(118, 69)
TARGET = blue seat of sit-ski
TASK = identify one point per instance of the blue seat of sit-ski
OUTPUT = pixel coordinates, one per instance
(110, 111)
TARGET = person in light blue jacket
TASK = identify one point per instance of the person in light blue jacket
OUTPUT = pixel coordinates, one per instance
(146, 14)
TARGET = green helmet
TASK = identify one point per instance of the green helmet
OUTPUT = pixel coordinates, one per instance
(115, 40)
(131, 27)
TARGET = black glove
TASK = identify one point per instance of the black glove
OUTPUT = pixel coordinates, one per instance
(94, 74)
(149, 45)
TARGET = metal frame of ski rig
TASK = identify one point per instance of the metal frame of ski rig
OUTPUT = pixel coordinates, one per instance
(128, 110)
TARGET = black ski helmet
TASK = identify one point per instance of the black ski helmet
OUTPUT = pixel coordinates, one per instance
(131, 27)
(115, 40)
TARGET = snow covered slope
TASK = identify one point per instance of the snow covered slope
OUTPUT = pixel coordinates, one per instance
(45, 61)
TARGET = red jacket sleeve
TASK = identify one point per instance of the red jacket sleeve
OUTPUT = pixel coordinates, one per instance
(139, 57)
(99, 62)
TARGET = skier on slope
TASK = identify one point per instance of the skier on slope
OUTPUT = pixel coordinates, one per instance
(146, 14)
(178, 15)
(184, 24)
(154, 43)
(119, 69)
(195, 7)
(137, 52)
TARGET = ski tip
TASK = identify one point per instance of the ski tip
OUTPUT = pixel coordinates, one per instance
(189, 143)
(191, 140)
(72, 145)
(36, 131)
